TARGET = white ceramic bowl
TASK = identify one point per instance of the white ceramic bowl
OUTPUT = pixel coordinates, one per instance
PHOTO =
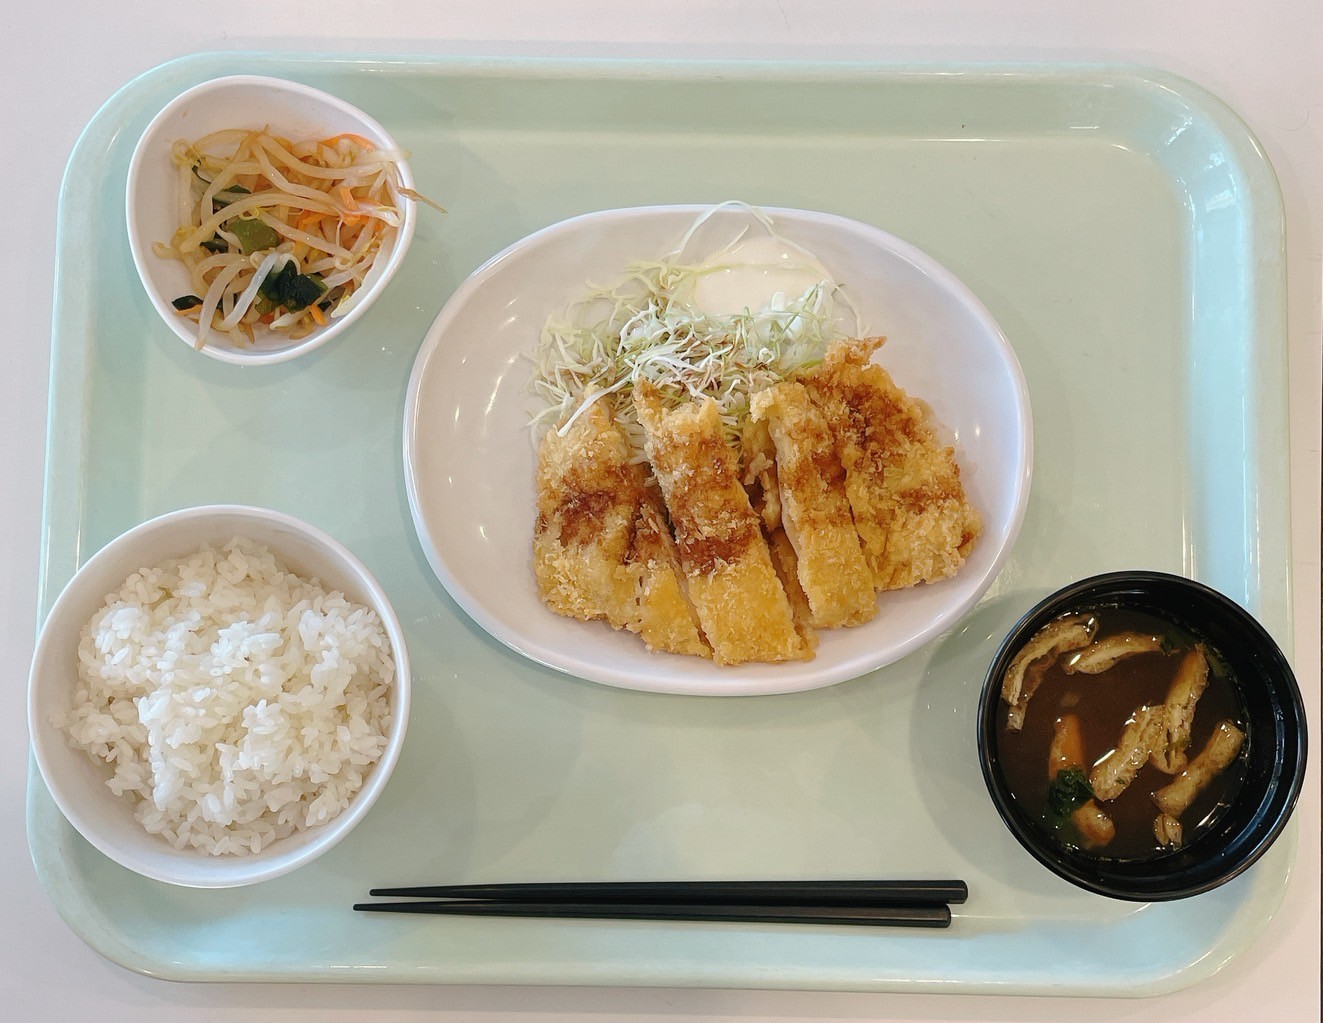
(78, 783)
(470, 455)
(244, 101)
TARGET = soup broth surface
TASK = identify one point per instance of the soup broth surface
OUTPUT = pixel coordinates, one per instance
(1103, 704)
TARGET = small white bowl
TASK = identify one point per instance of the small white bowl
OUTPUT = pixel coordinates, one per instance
(244, 101)
(78, 783)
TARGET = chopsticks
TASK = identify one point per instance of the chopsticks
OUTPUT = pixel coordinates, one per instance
(872, 903)
(779, 893)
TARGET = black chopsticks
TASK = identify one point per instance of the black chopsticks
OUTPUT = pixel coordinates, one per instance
(776, 893)
(872, 903)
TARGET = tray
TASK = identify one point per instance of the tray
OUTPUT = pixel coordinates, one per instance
(1121, 225)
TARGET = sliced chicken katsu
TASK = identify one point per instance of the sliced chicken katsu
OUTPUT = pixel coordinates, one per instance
(915, 524)
(740, 603)
(815, 510)
(758, 460)
(600, 545)
(787, 570)
(666, 620)
(587, 499)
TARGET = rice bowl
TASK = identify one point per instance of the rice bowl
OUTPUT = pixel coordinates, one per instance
(236, 701)
(248, 682)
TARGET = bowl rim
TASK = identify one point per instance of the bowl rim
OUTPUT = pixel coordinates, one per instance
(48, 742)
(1281, 795)
(140, 247)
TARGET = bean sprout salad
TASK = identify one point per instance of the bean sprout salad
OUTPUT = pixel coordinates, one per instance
(280, 235)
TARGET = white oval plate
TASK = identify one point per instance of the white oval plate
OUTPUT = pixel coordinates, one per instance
(469, 455)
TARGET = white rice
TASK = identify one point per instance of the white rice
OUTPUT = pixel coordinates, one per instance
(236, 702)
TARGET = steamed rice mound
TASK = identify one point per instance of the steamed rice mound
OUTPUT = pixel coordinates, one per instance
(236, 702)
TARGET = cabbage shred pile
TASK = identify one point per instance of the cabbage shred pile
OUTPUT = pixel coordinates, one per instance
(647, 327)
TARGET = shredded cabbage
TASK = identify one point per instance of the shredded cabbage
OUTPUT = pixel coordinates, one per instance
(649, 326)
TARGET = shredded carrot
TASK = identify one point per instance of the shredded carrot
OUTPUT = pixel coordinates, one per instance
(347, 197)
(317, 315)
(359, 139)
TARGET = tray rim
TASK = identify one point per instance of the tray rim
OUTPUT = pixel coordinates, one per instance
(1265, 217)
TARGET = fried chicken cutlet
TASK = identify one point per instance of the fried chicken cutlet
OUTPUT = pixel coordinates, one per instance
(815, 510)
(914, 522)
(758, 460)
(601, 549)
(732, 583)
(666, 620)
(787, 570)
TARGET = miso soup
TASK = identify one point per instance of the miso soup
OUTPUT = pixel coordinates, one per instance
(1123, 734)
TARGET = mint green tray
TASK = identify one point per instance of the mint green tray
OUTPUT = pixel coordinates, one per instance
(1122, 226)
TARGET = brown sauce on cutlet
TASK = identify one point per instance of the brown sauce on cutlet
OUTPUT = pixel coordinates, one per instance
(581, 508)
(705, 553)
(705, 465)
(919, 499)
(579, 514)
(821, 465)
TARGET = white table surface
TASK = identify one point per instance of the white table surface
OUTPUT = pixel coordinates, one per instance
(63, 60)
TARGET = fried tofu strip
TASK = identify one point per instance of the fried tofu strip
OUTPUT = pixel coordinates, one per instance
(1221, 749)
(909, 505)
(1170, 753)
(815, 511)
(1026, 671)
(1114, 772)
(740, 603)
(1110, 651)
(587, 500)
(1168, 831)
(601, 549)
